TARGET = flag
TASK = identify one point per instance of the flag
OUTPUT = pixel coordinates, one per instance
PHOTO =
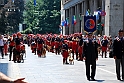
(96, 13)
(34, 2)
(90, 23)
(67, 22)
(63, 23)
(12, 1)
(99, 12)
(74, 20)
(80, 17)
(87, 12)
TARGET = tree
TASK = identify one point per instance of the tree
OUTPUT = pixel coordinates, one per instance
(11, 16)
(45, 15)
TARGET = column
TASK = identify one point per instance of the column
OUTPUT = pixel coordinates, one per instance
(66, 30)
(85, 6)
(75, 13)
(63, 18)
(95, 5)
(83, 10)
(91, 6)
(69, 20)
(103, 17)
(78, 19)
(123, 15)
(72, 27)
(103, 4)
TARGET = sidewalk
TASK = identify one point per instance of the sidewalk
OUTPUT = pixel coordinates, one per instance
(51, 69)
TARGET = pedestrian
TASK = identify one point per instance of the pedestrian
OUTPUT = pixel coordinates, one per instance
(118, 53)
(90, 54)
(11, 46)
(65, 51)
(80, 48)
(6, 79)
(2, 46)
(104, 44)
(5, 46)
(17, 47)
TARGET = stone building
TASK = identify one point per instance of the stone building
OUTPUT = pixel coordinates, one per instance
(113, 20)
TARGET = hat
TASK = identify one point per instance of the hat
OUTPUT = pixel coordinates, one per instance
(105, 36)
(65, 41)
(90, 33)
(120, 30)
(19, 34)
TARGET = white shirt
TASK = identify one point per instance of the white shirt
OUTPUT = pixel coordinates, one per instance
(1, 42)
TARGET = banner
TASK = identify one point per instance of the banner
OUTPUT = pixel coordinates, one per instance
(34, 2)
(90, 23)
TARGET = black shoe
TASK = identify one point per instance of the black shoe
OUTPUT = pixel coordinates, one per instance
(66, 63)
(93, 79)
(88, 79)
(9, 60)
(119, 79)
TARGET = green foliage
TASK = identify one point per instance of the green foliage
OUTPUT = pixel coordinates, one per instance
(9, 20)
(44, 17)
(28, 31)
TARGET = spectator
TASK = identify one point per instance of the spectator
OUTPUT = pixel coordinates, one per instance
(90, 53)
(118, 53)
(1, 46)
(6, 79)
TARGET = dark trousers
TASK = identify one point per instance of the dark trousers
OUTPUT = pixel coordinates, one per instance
(1, 50)
(119, 62)
(57, 51)
(76, 54)
(93, 68)
(10, 50)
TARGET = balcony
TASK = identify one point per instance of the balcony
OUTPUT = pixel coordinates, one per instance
(65, 1)
(2, 3)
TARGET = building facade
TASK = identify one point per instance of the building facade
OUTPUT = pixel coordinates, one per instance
(113, 20)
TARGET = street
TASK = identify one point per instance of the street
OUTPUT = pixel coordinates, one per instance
(52, 70)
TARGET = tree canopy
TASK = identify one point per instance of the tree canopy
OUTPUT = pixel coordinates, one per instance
(44, 17)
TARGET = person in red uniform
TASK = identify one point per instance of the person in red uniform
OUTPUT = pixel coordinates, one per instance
(52, 44)
(57, 45)
(11, 45)
(65, 52)
(17, 46)
(80, 48)
(48, 43)
(5, 46)
(75, 46)
(33, 46)
(104, 43)
(40, 43)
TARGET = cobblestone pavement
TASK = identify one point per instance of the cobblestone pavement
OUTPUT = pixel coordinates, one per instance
(51, 69)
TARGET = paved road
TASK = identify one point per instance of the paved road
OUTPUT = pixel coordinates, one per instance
(51, 70)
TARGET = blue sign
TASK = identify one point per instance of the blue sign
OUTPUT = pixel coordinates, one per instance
(90, 23)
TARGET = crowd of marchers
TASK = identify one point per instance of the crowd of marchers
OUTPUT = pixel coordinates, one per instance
(74, 46)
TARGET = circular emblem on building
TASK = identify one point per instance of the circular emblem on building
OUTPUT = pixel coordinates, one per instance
(90, 24)
(103, 13)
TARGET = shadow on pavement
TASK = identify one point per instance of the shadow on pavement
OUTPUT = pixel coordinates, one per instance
(100, 80)
(4, 68)
(100, 65)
